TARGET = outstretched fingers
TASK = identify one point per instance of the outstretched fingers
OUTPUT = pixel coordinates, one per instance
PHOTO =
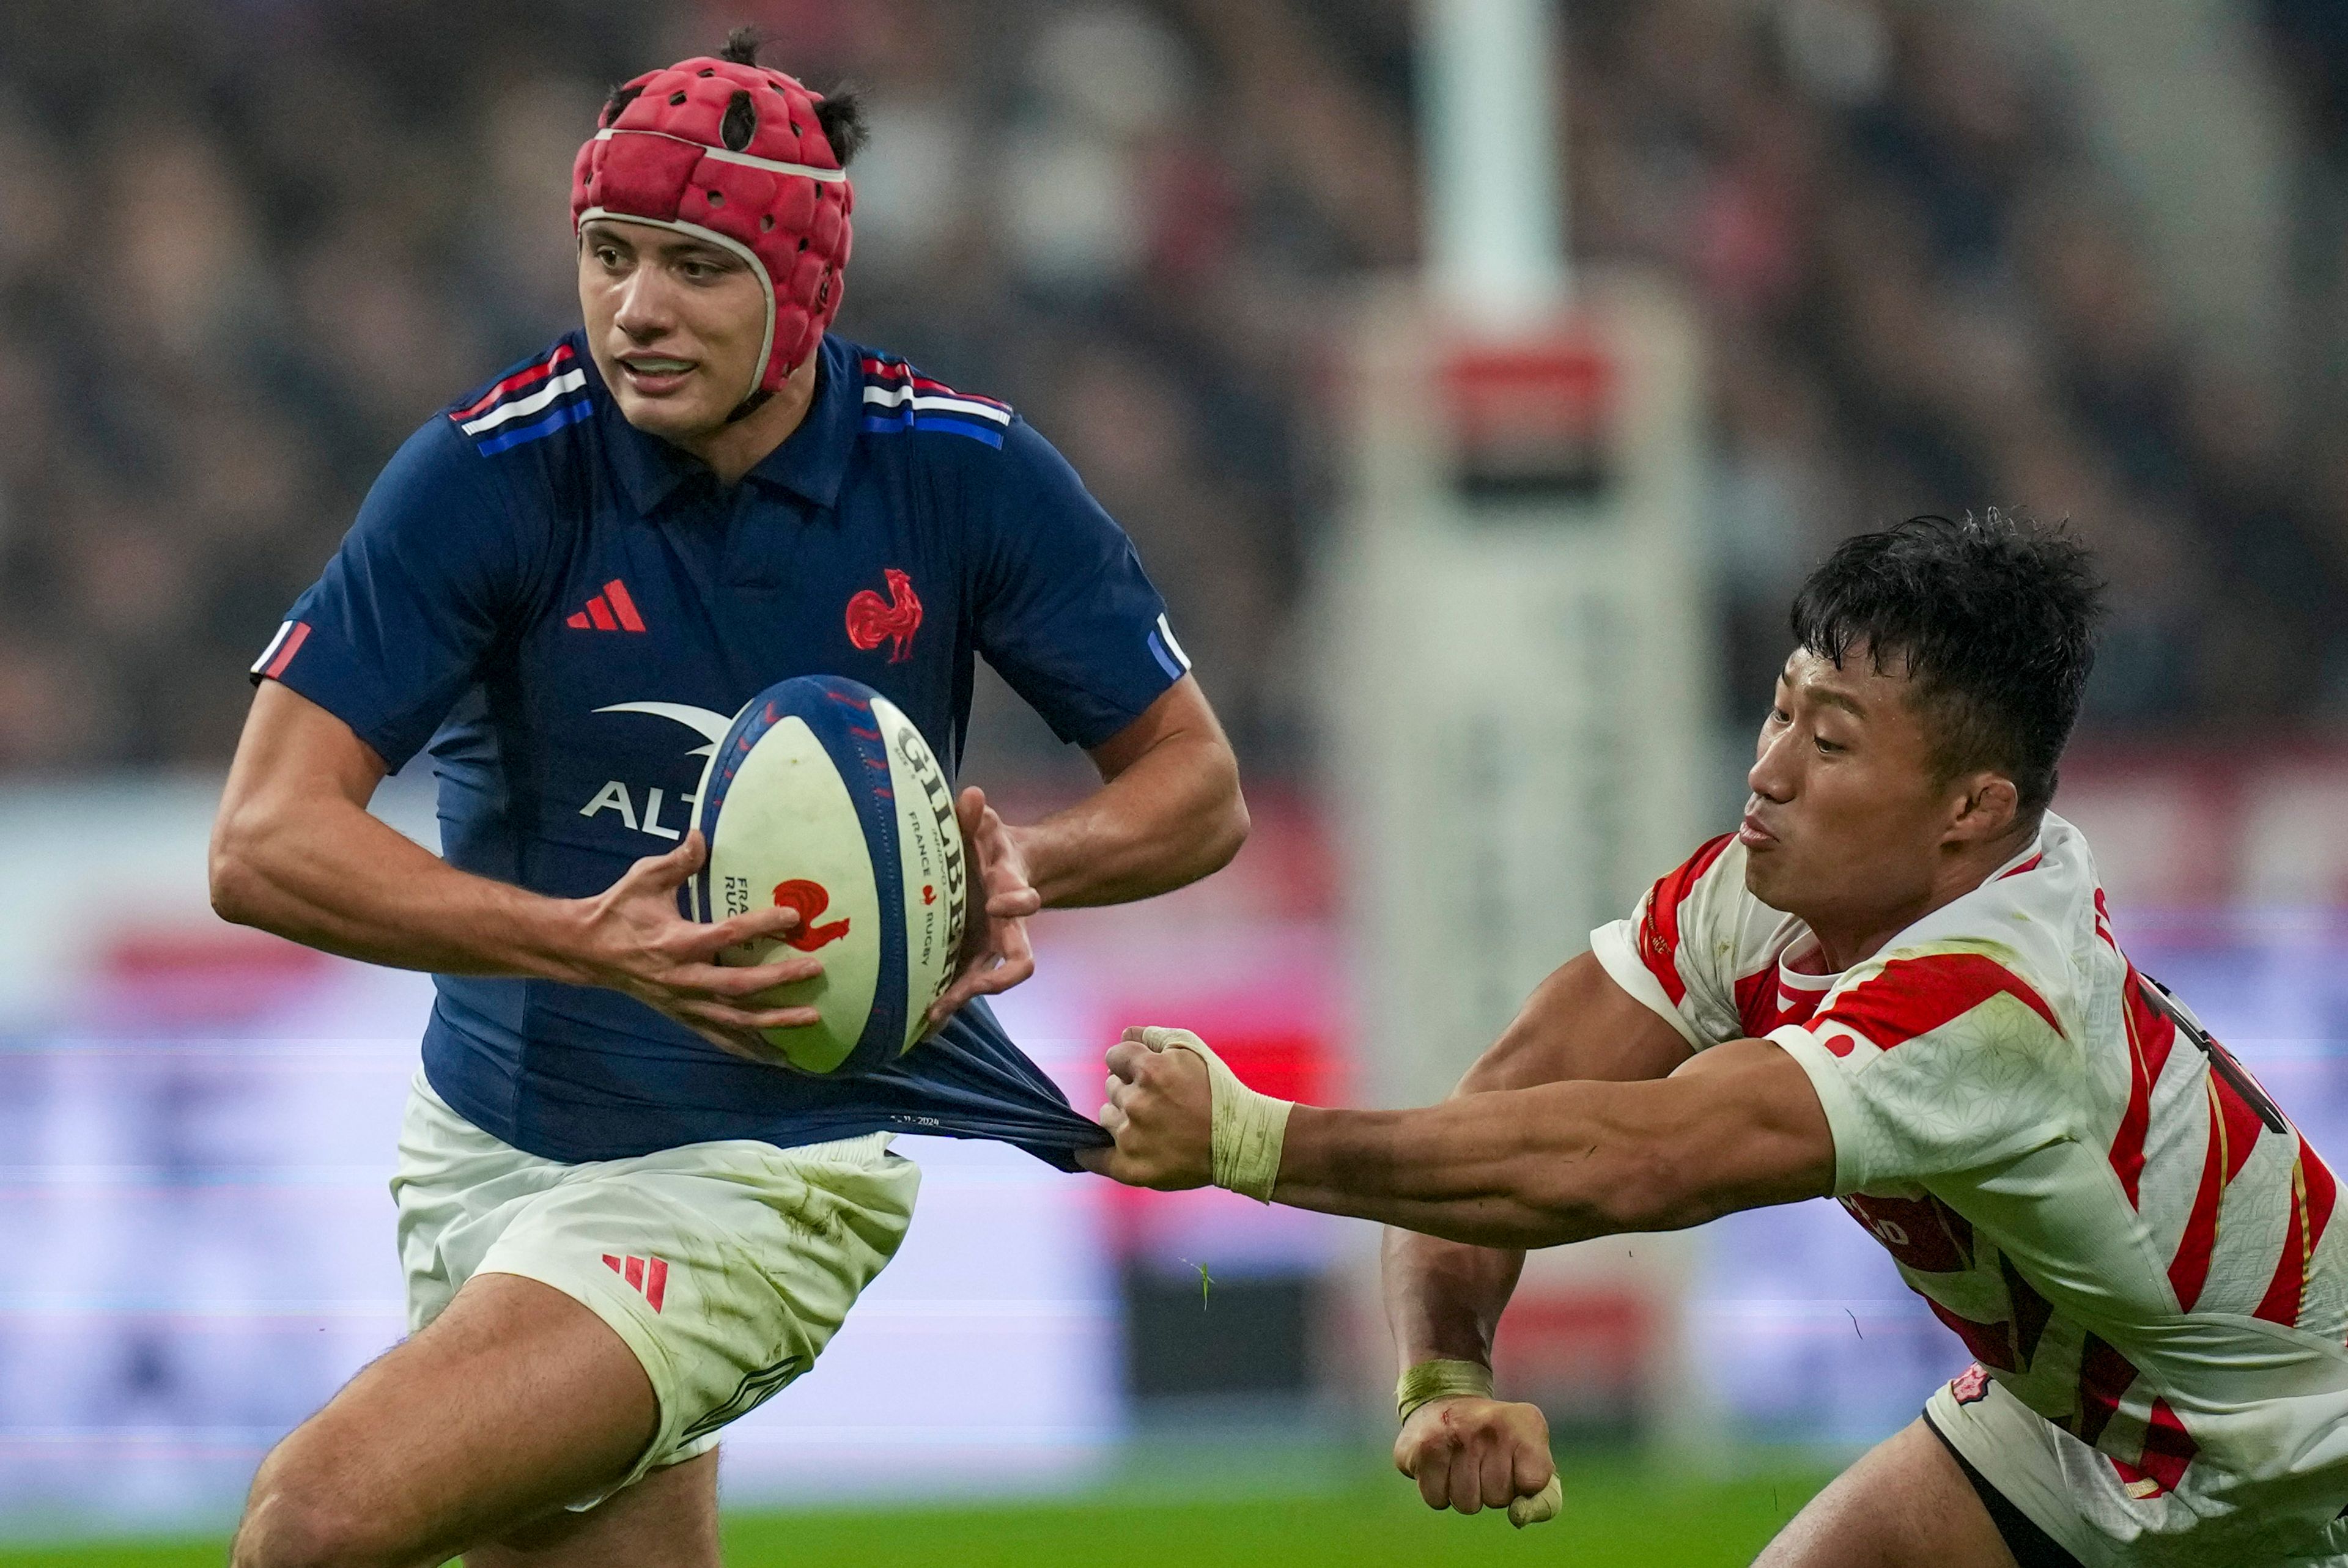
(746, 980)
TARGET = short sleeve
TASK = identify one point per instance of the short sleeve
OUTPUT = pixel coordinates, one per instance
(394, 632)
(1689, 938)
(1932, 1062)
(1065, 612)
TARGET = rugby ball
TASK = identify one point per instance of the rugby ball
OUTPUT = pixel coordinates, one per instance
(825, 798)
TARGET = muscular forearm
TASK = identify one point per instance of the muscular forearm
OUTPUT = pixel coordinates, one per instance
(326, 873)
(1444, 1299)
(1170, 817)
(1532, 1168)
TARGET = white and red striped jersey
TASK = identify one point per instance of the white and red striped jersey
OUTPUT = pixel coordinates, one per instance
(2122, 1241)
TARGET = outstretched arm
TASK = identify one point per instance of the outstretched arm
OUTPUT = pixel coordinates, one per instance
(1444, 1299)
(1738, 1127)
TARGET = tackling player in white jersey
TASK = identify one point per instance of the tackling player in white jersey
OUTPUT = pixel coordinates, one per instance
(1895, 984)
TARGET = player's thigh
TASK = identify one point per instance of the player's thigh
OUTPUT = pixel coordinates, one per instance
(1905, 1504)
(514, 1402)
(667, 1520)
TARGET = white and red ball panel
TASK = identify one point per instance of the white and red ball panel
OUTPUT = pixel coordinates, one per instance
(824, 797)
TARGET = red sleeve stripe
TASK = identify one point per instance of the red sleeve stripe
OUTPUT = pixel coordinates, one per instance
(2150, 1034)
(1917, 995)
(2234, 1127)
(2311, 1192)
(1659, 927)
(514, 383)
(292, 645)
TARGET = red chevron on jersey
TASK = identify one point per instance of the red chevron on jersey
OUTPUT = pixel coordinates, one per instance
(1659, 926)
(2313, 1190)
(2234, 1130)
(1917, 995)
(2150, 1035)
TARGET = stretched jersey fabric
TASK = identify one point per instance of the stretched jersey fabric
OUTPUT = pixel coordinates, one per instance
(2125, 1248)
(568, 611)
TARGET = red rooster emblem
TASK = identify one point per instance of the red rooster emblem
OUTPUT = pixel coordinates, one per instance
(810, 899)
(872, 620)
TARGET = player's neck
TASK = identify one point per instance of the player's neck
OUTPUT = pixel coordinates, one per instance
(733, 450)
(1848, 937)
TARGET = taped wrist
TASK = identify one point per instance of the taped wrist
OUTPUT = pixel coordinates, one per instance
(1248, 1129)
(1440, 1380)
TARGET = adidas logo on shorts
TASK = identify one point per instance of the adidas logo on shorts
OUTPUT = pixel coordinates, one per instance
(648, 1275)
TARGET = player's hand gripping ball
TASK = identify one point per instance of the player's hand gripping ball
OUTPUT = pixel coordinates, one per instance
(824, 798)
(1469, 1453)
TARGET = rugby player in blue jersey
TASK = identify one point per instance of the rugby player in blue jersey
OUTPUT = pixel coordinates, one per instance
(622, 1226)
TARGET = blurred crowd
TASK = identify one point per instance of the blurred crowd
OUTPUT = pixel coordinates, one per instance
(246, 248)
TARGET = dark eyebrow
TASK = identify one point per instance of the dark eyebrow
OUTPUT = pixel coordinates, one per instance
(1836, 700)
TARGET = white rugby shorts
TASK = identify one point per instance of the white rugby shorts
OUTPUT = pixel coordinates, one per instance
(727, 1266)
(2071, 1491)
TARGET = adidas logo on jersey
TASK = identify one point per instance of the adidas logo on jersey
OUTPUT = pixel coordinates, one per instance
(610, 611)
(647, 1275)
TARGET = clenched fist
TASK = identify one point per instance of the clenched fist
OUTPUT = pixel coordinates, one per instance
(1160, 1111)
(1469, 1453)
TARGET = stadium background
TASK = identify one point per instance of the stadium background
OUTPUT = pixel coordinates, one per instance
(1936, 256)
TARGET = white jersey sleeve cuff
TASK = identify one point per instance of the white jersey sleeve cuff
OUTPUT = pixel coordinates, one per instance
(1614, 945)
(1830, 1080)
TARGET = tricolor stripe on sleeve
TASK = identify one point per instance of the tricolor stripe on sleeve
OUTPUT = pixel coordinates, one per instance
(537, 400)
(281, 650)
(899, 398)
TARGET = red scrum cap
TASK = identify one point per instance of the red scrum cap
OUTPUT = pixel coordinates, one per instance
(730, 152)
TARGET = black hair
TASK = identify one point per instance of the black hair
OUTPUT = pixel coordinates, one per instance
(839, 114)
(1994, 620)
(742, 47)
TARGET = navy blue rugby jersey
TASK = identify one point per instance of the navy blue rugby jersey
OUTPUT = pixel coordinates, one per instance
(570, 611)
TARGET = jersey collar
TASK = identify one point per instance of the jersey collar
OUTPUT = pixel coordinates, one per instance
(811, 463)
(814, 460)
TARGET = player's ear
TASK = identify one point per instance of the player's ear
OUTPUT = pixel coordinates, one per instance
(1987, 810)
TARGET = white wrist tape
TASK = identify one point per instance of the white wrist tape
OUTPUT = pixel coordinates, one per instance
(1248, 1129)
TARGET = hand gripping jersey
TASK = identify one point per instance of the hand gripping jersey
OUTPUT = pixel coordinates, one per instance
(2144, 1270)
(570, 611)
